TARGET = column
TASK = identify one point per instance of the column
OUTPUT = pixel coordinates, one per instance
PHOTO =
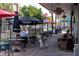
(78, 24)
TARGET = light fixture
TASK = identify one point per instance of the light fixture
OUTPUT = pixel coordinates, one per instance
(64, 16)
(58, 10)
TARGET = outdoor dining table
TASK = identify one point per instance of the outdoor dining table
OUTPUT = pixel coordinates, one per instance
(15, 39)
(17, 43)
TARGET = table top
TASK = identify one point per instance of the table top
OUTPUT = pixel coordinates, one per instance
(15, 39)
(1, 43)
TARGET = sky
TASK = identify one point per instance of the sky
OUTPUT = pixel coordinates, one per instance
(44, 10)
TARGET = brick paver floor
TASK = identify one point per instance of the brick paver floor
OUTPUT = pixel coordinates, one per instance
(52, 50)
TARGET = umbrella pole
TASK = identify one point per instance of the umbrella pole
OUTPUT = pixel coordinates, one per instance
(35, 29)
(0, 35)
(47, 26)
(10, 33)
(52, 23)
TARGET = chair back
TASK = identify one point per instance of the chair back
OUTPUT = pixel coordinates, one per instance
(5, 46)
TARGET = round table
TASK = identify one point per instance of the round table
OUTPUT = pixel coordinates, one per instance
(17, 43)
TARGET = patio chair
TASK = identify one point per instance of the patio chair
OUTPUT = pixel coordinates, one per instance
(32, 40)
(18, 44)
(7, 48)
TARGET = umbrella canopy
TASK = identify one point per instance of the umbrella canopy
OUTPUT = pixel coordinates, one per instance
(4, 13)
(24, 20)
(16, 24)
(35, 20)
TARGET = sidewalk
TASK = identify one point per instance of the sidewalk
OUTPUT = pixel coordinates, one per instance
(52, 50)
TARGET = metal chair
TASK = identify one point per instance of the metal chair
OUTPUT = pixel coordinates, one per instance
(32, 40)
(6, 47)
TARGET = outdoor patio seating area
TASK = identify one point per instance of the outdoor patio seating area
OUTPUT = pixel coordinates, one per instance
(10, 46)
(29, 31)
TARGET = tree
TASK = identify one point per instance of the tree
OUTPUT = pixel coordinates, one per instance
(31, 11)
(6, 6)
(24, 11)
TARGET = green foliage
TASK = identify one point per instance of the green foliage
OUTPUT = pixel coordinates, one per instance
(6, 6)
(31, 11)
(24, 11)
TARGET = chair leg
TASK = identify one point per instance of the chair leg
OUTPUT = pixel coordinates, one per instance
(9, 52)
(0, 51)
(5, 52)
(22, 47)
(29, 45)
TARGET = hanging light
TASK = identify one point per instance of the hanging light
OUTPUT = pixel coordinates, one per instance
(58, 10)
(64, 16)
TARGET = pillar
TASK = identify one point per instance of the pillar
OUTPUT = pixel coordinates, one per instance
(78, 24)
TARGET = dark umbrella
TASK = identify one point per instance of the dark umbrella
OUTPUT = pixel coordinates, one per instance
(16, 23)
(24, 20)
(35, 20)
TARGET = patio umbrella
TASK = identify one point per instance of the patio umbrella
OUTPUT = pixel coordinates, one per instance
(40, 22)
(24, 20)
(4, 13)
(35, 20)
(16, 23)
